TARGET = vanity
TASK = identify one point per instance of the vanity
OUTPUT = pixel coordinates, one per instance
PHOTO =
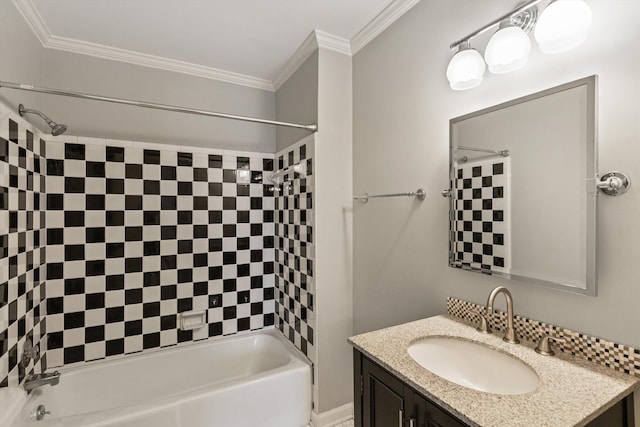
(523, 193)
(392, 389)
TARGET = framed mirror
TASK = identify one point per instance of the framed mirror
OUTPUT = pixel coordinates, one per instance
(522, 189)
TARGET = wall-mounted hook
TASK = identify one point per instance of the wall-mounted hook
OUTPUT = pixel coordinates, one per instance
(614, 183)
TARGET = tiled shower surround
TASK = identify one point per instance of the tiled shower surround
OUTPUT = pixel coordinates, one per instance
(22, 258)
(295, 250)
(138, 233)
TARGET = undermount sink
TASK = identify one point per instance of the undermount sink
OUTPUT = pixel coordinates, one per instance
(474, 365)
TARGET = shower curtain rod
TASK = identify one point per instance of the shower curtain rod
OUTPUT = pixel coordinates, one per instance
(30, 88)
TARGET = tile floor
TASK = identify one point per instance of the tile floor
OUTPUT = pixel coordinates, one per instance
(348, 423)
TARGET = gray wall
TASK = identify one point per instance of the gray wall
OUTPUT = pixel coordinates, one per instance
(22, 59)
(83, 73)
(402, 107)
(297, 102)
(333, 237)
(26, 61)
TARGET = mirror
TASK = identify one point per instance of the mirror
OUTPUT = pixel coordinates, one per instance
(522, 189)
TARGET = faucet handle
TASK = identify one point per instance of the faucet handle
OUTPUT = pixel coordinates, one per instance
(29, 352)
(483, 326)
(544, 347)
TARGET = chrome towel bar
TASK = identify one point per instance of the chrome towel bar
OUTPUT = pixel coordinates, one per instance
(419, 194)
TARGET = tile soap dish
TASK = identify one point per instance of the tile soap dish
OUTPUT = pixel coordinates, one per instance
(190, 320)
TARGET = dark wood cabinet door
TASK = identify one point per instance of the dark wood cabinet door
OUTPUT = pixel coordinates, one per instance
(430, 415)
(621, 414)
(383, 397)
(383, 400)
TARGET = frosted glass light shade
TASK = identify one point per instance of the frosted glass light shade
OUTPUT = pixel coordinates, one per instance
(507, 50)
(563, 25)
(465, 70)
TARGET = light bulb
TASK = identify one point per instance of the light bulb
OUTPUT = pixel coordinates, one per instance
(507, 50)
(465, 69)
(563, 25)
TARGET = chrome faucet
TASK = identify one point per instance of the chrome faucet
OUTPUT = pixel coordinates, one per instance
(38, 380)
(510, 334)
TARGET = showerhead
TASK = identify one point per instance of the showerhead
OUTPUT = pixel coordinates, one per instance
(56, 128)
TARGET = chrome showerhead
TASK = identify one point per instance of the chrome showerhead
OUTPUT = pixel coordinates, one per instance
(56, 128)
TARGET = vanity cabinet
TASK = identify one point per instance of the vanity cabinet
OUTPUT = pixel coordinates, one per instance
(383, 400)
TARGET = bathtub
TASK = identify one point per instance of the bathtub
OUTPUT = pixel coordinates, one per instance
(251, 380)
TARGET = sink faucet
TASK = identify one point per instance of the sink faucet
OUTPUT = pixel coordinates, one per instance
(510, 334)
(38, 380)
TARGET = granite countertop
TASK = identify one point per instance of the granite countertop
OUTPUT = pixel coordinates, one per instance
(571, 391)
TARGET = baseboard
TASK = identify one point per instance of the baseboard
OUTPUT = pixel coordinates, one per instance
(332, 417)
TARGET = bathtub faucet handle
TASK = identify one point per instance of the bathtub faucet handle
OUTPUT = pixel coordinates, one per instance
(29, 352)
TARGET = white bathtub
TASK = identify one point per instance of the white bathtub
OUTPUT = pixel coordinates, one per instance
(253, 380)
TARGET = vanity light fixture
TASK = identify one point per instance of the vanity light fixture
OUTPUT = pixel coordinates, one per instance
(466, 69)
(507, 50)
(562, 25)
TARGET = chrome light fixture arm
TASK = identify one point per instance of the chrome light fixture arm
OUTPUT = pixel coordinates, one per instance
(507, 16)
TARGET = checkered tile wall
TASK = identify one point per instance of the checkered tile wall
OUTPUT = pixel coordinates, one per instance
(137, 234)
(22, 256)
(295, 253)
(481, 216)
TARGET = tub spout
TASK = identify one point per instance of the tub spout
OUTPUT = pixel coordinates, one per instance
(38, 380)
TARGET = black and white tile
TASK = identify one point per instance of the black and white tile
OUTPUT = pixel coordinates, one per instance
(481, 216)
(138, 233)
(295, 249)
(22, 255)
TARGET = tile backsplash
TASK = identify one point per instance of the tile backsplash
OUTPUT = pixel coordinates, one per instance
(138, 233)
(23, 253)
(607, 353)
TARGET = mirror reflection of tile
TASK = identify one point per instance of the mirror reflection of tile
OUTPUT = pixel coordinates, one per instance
(482, 220)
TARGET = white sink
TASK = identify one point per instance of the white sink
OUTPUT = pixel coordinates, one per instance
(474, 365)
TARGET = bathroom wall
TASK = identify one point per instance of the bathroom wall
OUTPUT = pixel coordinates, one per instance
(22, 244)
(26, 61)
(319, 91)
(23, 58)
(333, 163)
(297, 101)
(138, 233)
(82, 73)
(402, 107)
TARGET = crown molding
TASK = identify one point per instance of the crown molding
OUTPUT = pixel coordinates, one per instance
(308, 46)
(381, 22)
(34, 20)
(38, 26)
(157, 62)
(316, 39)
(331, 42)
